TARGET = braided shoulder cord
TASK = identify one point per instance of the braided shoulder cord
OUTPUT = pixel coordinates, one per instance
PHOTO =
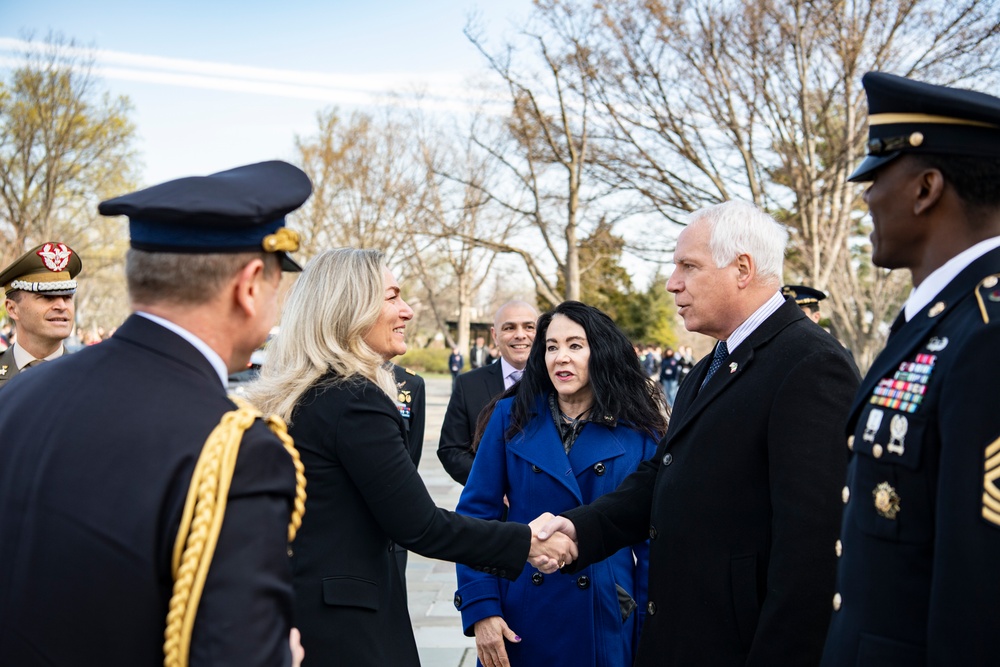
(201, 521)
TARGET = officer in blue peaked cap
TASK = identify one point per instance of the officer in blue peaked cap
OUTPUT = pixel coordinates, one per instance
(807, 298)
(917, 576)
(238, 210)
(146, 515)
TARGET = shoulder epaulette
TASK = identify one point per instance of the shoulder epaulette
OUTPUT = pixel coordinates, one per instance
(988, 296)
(411, 372)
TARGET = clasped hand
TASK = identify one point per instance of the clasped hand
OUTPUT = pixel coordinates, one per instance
(550, 549)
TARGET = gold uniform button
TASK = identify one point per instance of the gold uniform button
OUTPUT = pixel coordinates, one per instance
(837, 601)
(850, 442)
(845, 494)
(877, 451)
(839, 548)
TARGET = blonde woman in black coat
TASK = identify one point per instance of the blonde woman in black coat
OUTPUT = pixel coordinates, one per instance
(326, 374)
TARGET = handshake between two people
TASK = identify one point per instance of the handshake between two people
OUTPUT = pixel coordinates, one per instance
(553, 543)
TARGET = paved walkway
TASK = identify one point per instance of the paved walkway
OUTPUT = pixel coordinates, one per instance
(430, 583)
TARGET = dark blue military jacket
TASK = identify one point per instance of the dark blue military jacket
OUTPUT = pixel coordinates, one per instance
(97, 450)
(919, 554)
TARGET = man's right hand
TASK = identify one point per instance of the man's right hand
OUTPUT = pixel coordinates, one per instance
(554, 551)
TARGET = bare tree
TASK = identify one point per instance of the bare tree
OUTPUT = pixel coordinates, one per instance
(363, 184)
(543, 148)
(762, 100)
(451, 226)
(64, 146)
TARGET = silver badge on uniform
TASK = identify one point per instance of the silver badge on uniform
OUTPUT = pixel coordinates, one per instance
(871, 428)
(937, 344)
(897, 429)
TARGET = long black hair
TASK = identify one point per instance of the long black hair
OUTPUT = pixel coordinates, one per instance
(621, 388)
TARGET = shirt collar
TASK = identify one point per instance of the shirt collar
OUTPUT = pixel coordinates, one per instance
(506, 369)
(751, 323)
(22, 357)
(932, 285)
(213, 357)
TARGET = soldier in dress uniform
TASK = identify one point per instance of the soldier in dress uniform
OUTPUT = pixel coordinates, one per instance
(807, 298)
(39, 287)
(919, 553)
(98, 451)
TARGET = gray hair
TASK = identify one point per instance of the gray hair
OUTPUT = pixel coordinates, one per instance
(186, 278)
(334, 303)
(739, 227)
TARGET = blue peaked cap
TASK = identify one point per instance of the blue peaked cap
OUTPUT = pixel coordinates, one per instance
(237, 210)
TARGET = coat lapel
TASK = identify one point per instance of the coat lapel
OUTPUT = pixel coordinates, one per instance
(541, 446)
(493, 379)
(691, 402)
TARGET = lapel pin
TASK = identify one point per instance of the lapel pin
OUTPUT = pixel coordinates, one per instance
(732, 367)
(3, 370)
(936, 309)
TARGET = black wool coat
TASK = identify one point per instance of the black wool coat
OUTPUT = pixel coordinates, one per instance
(364, 495)
(741, 504)
(472, 392)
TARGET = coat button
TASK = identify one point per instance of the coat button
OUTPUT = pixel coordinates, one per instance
(458, 602)
(535, 468)
(537, 578)
(599, 469)
(839, 548)
(837, 601)
(583, 582)
(391, 547)
(290, 552)
(850, 442)
(651, 608)
(877, 451)
(845, 494)
(668, 458)
(652, 532)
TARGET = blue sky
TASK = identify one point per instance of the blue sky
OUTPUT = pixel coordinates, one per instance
(218, 84)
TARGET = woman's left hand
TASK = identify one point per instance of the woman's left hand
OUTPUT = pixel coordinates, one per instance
(490, 635)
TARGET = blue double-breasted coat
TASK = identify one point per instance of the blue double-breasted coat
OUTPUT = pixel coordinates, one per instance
(561, 619)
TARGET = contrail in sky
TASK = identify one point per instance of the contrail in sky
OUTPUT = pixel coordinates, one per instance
(443, 91)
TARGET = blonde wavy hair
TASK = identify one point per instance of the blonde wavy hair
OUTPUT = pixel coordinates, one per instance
(334, 303)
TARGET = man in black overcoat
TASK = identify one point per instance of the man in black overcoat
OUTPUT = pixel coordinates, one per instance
(513, 332)
(737, 501)
(97, 449)
(918, 578)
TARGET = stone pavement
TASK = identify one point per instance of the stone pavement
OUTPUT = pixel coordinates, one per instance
(430, 583)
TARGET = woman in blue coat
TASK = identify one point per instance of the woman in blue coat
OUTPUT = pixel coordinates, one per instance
(582, 418)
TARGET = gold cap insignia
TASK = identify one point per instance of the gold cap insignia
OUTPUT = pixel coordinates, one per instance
(282, 240)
